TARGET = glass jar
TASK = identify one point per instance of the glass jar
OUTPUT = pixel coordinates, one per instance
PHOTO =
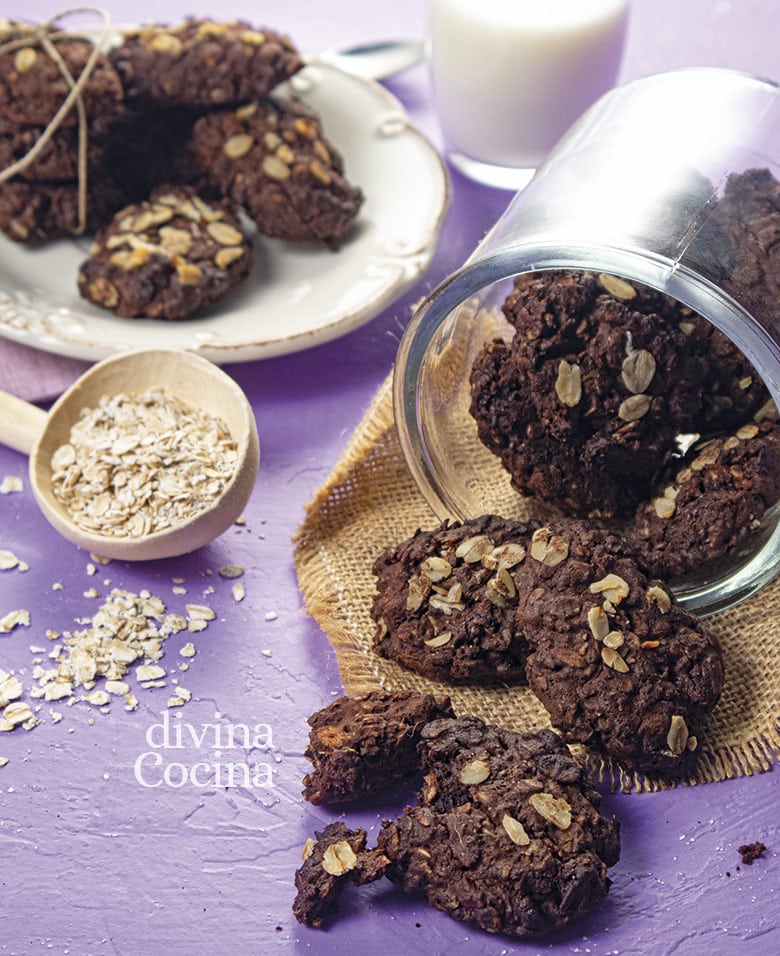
(635, 190)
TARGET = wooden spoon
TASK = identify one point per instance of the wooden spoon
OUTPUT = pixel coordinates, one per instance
(192, 379)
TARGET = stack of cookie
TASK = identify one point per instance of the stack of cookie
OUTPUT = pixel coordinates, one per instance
(42, 200)
(187, 111)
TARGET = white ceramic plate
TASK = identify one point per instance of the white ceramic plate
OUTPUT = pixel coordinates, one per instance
(296, 296)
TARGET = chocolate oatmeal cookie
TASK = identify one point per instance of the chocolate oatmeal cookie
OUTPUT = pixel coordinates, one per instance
(618, 664)
(33, 212)
(446, 601)
(507, 835)
(166, 258)
(361, 745)
(337, 857)
(709, 502)
(272, 158)
(32, 89)
(583, 406)
(59, 160)
(202, 63)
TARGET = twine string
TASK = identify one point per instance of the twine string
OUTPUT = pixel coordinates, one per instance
(46, 37)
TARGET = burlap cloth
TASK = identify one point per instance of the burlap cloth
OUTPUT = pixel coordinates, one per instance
(371, 500)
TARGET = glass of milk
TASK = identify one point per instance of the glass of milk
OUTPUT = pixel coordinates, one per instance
(510, 76)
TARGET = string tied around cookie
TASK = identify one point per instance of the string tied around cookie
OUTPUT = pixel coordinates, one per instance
(46, 35)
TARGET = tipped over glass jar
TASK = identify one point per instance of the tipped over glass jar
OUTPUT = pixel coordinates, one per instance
(611, 350)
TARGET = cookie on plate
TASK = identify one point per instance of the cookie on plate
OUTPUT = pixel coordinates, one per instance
(710, 501)
(617, 663)
(445, 604)
(335, 858)
(507, 835)
(59, 159)
(202, 63)
(34, 212)
(361, 745)
(272, 158)
(166, 258)
(32, 88)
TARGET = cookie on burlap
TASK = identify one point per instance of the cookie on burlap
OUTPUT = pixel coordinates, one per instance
(710, 502)
(507, 835)
(34, 212)
(166, 258)
(361, 745)
(272, 158)
(617, 663)
(445, 602)
(202, 63)
(32, 89)
(336, 858)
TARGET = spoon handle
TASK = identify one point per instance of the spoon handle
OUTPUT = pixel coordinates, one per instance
(21, 424)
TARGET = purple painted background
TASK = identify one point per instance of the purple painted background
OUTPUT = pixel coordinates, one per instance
(92, 861)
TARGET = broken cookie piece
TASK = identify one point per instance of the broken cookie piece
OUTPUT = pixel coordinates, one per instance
(336, 857)
(361, 745)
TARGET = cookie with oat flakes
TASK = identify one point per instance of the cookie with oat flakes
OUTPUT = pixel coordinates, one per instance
(507, 834)
(617, 663)
(710, 501)
(32, 88)
(166, 258)
(272, 158)
(202, 63)
(34, 212)
(445, 602)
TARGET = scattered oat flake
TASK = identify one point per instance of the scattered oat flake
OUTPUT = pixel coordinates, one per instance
(91, 569)
(194, 626)
(55, 715)
(200, 612)
(231, 571)
(98, 697)
(18, 712)
(92, 593)
(178, 589)
(3, 761)
(271, 615)
(239, 592)
(266, 652)
(184, 693)
(188, 650)
(8, 560)
(149, 672)
(10, 484)
(176, 702)
(10, 689)
(240, 520)
(14, 619)
(131, 702)
(57, 586)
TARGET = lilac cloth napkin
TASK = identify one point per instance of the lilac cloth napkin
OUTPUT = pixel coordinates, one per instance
(36, 376)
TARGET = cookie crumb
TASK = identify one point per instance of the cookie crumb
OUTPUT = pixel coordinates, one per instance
(750, 852)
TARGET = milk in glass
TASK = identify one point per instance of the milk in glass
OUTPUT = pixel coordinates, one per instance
(510, 76)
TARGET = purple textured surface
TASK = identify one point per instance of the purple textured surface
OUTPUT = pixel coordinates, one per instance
(94, 861)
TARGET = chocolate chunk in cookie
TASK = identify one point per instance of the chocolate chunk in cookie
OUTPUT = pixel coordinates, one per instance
(446, 601)
(336, 858)
(361, 745)
(710, 502)
(32, 87)
(618, 664)
(33, 212)
(507, 835)
(202, 63)
(272, 158)
(166, 258)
